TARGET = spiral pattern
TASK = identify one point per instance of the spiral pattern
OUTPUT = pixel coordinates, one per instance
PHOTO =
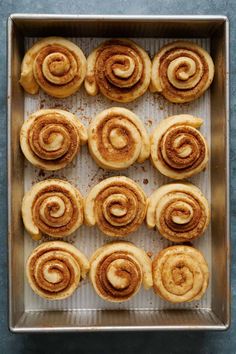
(117, 138)
(117, 205)
(178, 149)
(56, 65)
(120, 69)
(51, 138)
(54, 270)
(179, 211)
(118, 270)
(53, 207)
(180, 274)
(181, 71)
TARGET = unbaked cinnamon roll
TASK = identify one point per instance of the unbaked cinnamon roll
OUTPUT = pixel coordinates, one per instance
(119, 69)
(55, 65)
(180, 274)
(117, 138)
(51, 138)
(178, 149)
(54, 269)
(179, 211)
(117, 205)
(181, 71)
(53, 207)
(118, 269)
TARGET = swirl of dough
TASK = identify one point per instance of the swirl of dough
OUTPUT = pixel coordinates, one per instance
(54, 269)
(180, 274)
(53, 207)
(120, 69)
(181, 71)
(178, 149)
(117, 205)
(51, 138)
(117, 138)
(179, 211)
(56, 65)
(118, 269)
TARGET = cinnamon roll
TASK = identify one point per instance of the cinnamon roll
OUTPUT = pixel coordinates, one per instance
(118, 269)
(55, 65)
(179, 211)
(178, 149)
(51, 138)
(54, 269)
(119, 69)
(180, 274)
(117, 138)
(181, 71)
(117, 205)
(52, 207)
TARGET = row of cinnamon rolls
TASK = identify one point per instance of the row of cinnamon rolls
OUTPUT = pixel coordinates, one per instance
(51, 138)
(119, 68)
(117, 206)
(117, 271)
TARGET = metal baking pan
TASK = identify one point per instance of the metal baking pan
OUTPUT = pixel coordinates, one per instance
(26, 313)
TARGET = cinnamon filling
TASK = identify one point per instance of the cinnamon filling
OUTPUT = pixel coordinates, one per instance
(118, 276)
(51, 271)
(119, 69)
(52, 137)
(190, 67)
(56, 66)
(182, 216)
(182, 148)
(119, 209)
(182, 276)
(115, 140)
(54, 210)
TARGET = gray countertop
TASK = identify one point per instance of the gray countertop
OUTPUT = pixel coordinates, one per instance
(171, 342)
